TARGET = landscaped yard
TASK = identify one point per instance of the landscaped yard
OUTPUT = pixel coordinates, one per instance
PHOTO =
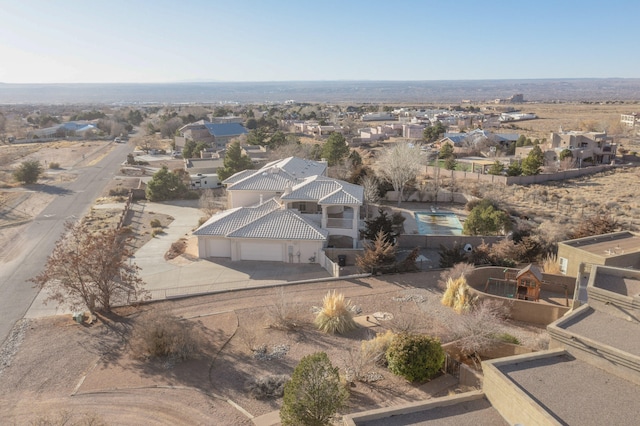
(93, 363)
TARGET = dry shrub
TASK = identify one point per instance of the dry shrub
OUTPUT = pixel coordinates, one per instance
(68, 418)
(266, 387)
(177, 248)
(458, 295)
(550, 264)
(479, 328)
(374, 350)
(336, 314)
(155, 223)
(458, 270)
(361, 364)
(161, 335)
(284, 314)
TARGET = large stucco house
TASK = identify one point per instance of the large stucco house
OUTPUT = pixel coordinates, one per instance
(217, 135)
(286, 211)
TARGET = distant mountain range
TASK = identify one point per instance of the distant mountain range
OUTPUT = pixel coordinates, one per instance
(418, 92)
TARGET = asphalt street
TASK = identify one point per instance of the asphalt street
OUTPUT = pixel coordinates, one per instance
(73, 200)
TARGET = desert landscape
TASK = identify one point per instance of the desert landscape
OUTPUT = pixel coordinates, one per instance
(54, 369)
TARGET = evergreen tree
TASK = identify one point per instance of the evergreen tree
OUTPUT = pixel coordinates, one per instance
(533, 162)
(234, 161)
(335, 149)
(381, 223)
(28, 172)
(487, 219)
(314, 394)
(446, 151)
(496, 168)
(165, 185)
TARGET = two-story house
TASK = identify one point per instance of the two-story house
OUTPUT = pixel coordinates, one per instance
(596, 146)
(287, 211)
(216, 135)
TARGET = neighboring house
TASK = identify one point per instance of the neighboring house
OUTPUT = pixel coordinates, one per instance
(75, 128)
(477, 136)
(195, 166)
(620, 249)
(216, 135)
(507, 117)
(413, 131)
(257, 153)
(379, 116)
(204, 181)
(630, 120)
(590, 375)
(287, 211)
(584, 145)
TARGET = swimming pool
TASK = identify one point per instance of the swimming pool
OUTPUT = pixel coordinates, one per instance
(438, 223)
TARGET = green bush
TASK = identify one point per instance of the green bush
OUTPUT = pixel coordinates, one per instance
(507, 338)
(415, 357)
(314, 394)
(155, 223)
(28, 172)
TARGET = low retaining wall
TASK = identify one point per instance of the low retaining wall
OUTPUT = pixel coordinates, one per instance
(435, 241)
(521, 310)
(516, 180)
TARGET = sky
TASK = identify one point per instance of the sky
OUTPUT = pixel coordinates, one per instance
(135, 41)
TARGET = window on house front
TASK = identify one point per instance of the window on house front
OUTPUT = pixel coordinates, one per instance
(302, 207)
(563, 265)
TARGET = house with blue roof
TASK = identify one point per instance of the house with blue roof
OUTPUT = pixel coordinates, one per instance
(217, 135)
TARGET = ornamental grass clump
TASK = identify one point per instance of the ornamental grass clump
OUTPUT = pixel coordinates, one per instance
(336, 314)
(458, 295)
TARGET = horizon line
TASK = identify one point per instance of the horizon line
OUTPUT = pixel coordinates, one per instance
(318, 81)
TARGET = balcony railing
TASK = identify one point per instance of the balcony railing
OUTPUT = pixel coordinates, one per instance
(340, 223)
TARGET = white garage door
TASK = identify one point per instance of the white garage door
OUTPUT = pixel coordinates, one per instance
(261, 251)
(218, 247)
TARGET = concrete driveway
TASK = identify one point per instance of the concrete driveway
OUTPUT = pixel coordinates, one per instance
(182, 276)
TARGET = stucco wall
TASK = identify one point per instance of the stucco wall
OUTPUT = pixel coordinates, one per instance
(516, 180)
(434, 241)
(521, 310)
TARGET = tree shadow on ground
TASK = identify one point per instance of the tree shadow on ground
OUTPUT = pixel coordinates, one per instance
(51, 189)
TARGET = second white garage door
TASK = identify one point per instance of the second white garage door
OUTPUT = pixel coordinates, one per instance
(261, 251)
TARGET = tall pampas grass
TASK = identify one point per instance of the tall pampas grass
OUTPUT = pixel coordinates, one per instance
(458, 295)
(336, 314)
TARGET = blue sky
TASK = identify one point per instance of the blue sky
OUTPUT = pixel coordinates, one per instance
(78, 41)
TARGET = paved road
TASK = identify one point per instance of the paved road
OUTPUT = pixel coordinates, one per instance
(73, 201)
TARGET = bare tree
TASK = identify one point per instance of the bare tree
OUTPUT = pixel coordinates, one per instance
(371, 193)
(90, 269)
(211, 201)
(399, 165)
(478, 329)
